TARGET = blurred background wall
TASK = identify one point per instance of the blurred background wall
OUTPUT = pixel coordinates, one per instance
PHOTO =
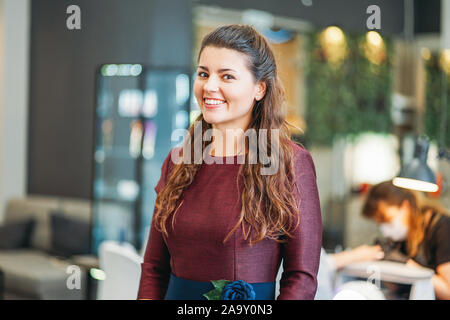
(14, 79)
(63, 77)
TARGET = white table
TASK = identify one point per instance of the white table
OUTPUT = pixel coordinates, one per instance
(374, 272)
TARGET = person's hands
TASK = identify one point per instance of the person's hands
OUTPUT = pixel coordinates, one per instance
(412, 263)
(359, 254)
(367, 253)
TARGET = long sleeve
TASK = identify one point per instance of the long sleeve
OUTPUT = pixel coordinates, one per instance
(155, 269)
(301, 254)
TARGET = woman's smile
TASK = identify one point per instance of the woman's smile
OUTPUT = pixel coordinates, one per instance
(213, 104)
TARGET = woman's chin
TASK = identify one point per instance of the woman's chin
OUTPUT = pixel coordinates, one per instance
(212, 120)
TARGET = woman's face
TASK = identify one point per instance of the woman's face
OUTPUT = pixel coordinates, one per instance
(387, 213)
(225, 88)
(393, 220)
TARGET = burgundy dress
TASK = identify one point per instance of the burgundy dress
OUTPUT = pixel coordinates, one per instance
(195, 250)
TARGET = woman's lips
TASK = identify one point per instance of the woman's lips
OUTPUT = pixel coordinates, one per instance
(213, 106)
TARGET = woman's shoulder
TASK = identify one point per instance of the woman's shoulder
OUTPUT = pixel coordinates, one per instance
(296, 146)
(440, 228)
(171, 160)
(303, 161)
(440, 239)
(167, 167)
(172, 157)
(443, 224)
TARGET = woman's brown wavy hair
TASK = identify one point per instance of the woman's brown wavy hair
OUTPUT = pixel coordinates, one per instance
(274, 192)
(392, 195)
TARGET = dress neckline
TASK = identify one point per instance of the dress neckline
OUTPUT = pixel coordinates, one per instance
(218, 160)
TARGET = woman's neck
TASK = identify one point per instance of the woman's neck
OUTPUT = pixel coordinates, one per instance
(225, 146)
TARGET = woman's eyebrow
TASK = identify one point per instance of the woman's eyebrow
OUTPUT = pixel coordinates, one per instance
(220, 70)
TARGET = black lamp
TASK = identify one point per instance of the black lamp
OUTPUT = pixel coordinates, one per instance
(417, 175)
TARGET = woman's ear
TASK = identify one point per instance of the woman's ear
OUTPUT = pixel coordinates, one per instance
(260, 90)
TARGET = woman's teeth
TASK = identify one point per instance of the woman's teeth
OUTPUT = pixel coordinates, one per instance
(213, 101)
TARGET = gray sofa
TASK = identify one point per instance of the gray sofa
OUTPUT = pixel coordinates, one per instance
(33, 272)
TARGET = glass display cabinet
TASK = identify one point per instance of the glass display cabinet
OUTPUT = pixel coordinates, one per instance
(137, 109)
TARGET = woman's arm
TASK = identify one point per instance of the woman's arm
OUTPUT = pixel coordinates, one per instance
(441, 281)
(155, 270)
(358, 254)
(301, 254)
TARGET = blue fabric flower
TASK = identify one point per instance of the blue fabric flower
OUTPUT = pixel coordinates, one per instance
(238, 290)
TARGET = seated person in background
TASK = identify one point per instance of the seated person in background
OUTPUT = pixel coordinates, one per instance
(420, 231)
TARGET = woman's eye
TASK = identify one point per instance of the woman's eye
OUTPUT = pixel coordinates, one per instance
(202, 74)
(230, 77)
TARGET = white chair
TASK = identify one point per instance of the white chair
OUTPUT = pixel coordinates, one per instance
(122, 266)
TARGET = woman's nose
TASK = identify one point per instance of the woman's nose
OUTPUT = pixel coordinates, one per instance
(211, 84)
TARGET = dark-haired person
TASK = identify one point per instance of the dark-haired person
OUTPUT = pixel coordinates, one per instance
(421, 229)
(227, 221)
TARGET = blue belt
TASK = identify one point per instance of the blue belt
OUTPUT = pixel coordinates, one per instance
(183, 289)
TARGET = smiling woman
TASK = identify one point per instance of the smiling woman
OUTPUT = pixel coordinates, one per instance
(233, 223)
(225, 89)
